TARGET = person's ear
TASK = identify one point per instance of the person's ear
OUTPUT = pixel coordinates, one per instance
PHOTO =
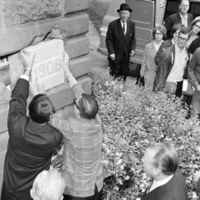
(157, 171)
(31, 193)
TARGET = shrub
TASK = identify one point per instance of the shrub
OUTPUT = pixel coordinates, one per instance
(132, 120)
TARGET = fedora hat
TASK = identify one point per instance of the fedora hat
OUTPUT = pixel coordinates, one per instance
(124, 6)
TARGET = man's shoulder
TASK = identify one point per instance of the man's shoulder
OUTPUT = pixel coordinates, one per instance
(174, 16)
(130, 21)
(190, 15)
(169, 50)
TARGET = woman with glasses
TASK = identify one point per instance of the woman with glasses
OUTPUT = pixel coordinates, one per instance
(195, 31)
(148, 69)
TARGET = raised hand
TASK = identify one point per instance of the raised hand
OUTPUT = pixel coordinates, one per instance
(27, 60)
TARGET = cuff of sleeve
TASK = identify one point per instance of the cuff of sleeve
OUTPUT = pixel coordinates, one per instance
(77, 90)
(26, 77)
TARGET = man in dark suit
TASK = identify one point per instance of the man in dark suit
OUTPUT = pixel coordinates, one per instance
(32, 140)
(182, 17)
(160, 164)
(120, 42)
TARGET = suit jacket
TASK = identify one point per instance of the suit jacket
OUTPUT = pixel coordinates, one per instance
(118, 43)
(175, 189)
(148, 69)
(175, 19)
(164, 45)
(29, 149)
(165, 65)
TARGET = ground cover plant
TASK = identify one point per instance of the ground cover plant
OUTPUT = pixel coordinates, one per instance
(132, 120)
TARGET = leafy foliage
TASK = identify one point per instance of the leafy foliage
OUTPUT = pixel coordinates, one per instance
(132, 120)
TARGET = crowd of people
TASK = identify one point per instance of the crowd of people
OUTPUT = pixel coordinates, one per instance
(33, 139)
(174, 67)
(168, 63)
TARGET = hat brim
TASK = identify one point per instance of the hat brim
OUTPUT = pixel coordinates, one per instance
(129, 9)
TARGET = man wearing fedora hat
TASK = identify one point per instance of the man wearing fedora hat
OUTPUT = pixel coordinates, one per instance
(120, 42)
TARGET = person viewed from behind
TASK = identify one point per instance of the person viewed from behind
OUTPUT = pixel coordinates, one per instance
(32, 140)
(174, 60)
(48, 185)
(120, 42)
(167, 43)
(161, 166)
(194, 77)
(148, 69)
(181, 17)
(82, 167)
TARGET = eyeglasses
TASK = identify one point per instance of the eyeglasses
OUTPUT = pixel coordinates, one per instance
(158, 33)
(183, 39)
(197, 26)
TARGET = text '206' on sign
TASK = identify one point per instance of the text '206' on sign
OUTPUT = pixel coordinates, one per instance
(48, 67)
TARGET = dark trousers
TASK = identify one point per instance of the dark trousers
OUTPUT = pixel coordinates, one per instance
(119, 66)
(96, 196)
(179, 89)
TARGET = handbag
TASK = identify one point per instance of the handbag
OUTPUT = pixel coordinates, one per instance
(134, 70)
(188, 88)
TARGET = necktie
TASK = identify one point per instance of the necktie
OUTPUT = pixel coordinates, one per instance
(123, 28)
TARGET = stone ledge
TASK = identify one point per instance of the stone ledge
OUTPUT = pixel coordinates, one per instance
(81, 66)
(77, 46)
(72, 6)
(15, 38)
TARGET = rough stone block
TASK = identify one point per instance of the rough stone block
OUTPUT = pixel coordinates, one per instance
(13, 39)
(77, 46)
(81, 66)
(20, 11)
(72, 6)
(62, 95)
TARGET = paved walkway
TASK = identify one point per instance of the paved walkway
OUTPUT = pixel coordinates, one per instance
(99, 61)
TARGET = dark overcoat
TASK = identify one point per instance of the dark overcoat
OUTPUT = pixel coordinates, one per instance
(176, 19)
(30, 147)
(175, 189)
(119, 44)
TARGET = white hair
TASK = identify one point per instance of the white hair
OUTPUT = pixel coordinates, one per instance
(48, 185)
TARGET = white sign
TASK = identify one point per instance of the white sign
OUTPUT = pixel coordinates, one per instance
(48, 68)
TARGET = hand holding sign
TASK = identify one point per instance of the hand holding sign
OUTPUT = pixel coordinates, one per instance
(28, 61)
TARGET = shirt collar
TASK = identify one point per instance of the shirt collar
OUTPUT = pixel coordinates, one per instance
(160, 182)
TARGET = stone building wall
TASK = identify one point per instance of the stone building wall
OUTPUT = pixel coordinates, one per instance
(20, 22)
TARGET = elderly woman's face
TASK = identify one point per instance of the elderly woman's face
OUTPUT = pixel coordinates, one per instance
(158, 35)
(175, 35)
(196, 27)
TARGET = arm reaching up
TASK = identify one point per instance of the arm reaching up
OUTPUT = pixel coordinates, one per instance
(69, 75)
